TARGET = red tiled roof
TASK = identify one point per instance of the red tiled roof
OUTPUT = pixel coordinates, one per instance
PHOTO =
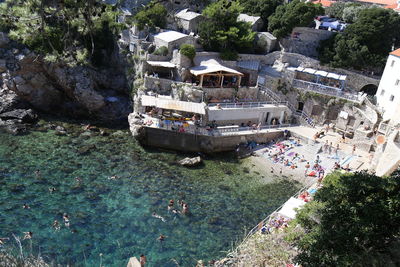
(396, 52)
(324, 3)
(392, 4)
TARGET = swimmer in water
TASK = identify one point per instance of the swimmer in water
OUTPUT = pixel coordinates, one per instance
(171, 204)
(114, 177)
(185, 208)
(161, 238)
(78, 179)
(155, 215)
(52, 189)
(26, 206)
(175, 211)
(56, 225)
(66, 220)
(28, 235)
(37, 173)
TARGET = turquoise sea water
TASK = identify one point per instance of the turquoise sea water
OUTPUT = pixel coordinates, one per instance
(111, 220)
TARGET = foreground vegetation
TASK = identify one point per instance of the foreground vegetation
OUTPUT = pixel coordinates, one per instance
(354, 220)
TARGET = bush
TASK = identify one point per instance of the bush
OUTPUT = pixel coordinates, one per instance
(188, 50)
(228, 55)
(161, 51)
(153, 15)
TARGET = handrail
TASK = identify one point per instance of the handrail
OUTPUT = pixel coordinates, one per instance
(327, 90)
(246, 104)
(303, 115)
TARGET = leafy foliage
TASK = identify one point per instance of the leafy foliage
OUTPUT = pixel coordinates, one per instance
(262, 8)
(153, 15)
(188, 50)
(75, 31)
(221, 31)
(161, 51)
(366, 43)
(354, 221)
(294, 14)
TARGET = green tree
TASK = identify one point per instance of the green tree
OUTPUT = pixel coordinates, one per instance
(294, 14)
(221, 31)
(353, 221)
(153, 15)
(366, 43)
(75, 31)
(261, 8)
(188, 50)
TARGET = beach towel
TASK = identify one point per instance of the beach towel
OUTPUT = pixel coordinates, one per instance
(312, 173)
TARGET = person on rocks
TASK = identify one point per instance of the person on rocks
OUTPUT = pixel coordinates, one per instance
(142, 260)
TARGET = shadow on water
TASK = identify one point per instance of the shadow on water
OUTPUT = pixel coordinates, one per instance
(109, 186)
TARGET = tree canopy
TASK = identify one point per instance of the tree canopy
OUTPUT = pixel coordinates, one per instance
(294, 14)
(221, 31)
(354, 220)
(76, 31)
(261, 8)
(365, 44)
(153, 15)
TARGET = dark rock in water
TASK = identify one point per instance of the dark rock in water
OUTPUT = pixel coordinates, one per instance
(13, 127)
(86, 149)
(27, 116)
(224, 187)
(214, 220)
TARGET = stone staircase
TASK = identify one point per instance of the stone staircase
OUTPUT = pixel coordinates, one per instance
(303, 116)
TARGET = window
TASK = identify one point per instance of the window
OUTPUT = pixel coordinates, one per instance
(392, 64)
(391, 97)
(382, 92)
(397, 82)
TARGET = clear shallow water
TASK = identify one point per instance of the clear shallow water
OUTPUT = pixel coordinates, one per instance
(113, 217)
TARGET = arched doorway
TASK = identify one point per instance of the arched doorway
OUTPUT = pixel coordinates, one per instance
(369, 89)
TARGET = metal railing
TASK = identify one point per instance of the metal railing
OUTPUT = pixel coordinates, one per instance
(247, 104)
(327, 90)
(301, 114)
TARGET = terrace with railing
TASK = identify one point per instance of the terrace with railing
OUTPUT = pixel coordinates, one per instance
(328, 90)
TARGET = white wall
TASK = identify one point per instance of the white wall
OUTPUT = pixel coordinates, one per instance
(388, 88)
(239, 115)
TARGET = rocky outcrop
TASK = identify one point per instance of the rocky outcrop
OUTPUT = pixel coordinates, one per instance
(56, 88)
(190, 162)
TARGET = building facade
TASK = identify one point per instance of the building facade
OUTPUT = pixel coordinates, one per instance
(388, 94)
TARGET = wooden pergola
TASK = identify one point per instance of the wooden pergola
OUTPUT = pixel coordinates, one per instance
(218, 71)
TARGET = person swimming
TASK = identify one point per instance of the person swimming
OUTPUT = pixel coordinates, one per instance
(56, 225)
(171, 204)
(52, 189)
(25, 206)
(175, 211)
(66, 220)
(161, 238)
(185, 208)
(113, 177)
(37, 173)
(155, 215)
(28, 235)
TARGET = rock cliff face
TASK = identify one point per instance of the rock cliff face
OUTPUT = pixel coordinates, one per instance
(79, 92)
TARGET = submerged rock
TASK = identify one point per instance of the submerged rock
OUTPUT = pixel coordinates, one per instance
(190, 162)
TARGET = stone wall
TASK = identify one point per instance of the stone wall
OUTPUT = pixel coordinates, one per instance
(200, 143)
(305, 40)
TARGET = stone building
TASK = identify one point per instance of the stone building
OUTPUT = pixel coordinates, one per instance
(388, 94)
(171, 39)
(188, 21)
(255, 22)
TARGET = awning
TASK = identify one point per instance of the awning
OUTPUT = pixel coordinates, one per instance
(333, 76)
(321, 73)
(164, 64)
(205, 69)
(309, 70)
(288, 208)
(171, 104)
